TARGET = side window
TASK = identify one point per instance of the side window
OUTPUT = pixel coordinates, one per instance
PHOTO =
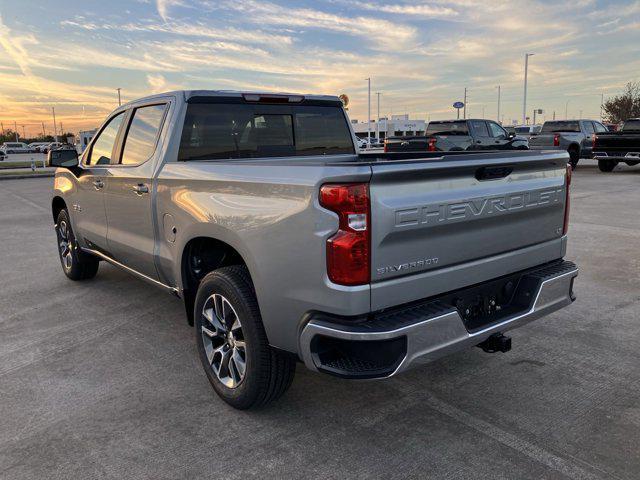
(588, 127)
(142, 135)
(103, 146)
(600, 128)
(479, 128)
(496, 130)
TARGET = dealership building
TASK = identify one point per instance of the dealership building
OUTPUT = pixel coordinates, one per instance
(396, 126)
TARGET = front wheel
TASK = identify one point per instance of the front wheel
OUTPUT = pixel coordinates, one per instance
(243, 369)
(76, 264)
(607, 165)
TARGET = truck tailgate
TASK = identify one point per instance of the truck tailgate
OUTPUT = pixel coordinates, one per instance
(541, 140)
(467, 219)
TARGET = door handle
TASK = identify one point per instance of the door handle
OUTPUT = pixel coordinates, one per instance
(141, 189)
(98, 184)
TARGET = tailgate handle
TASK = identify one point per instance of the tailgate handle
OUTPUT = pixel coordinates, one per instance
(492, 173)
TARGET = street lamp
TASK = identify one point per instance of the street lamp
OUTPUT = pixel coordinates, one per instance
(378, 121)
(369, 112)
(498, 117)
(526, 70)
(566, 108)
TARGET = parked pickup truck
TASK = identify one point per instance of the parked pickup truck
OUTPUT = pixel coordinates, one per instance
(574, 136)
(458, 135)
(285, 244)
(620, 146)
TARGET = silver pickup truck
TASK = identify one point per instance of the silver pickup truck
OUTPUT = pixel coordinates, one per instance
(574, 136)
(287, 245)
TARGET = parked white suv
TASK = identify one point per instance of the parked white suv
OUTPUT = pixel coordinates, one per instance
(15, 147)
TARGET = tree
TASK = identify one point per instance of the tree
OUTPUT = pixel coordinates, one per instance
(625, 106)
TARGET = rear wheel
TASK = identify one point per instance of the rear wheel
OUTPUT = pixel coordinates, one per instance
(76, 264)
(607, 165)
(243, 369)
(574, 157)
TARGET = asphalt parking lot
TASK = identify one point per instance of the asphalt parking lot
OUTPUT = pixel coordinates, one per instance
(101, 378)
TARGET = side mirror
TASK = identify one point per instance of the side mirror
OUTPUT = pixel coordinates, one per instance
(62, 158)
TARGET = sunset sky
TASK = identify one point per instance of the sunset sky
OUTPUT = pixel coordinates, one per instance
(419, 54)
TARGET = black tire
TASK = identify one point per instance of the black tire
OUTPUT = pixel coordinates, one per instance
(76, 264)
(607, 165)
(268, 373)
(574, 157)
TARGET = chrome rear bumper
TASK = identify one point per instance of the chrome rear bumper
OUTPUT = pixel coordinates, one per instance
(424, 332)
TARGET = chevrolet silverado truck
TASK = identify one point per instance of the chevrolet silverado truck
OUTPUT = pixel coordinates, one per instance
(458, 135)
(286, 245)
(574, 136)
(623, 145)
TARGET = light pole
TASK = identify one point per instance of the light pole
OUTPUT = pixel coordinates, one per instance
(55, 128)
(119, 101)
(498, 117)
(566, 109)
(464, 107)
(369, 112)
(601, 104)
(378, 120)
(526, 71)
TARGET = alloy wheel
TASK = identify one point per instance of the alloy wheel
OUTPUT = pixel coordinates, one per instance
(65, 244)
(223, 340)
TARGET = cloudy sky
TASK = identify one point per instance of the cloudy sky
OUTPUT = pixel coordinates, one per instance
(419, 54)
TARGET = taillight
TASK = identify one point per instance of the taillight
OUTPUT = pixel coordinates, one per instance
(595, 137)
(556, 140)
(348, 248)
(567, 202)
(386, 147)
(431, 145)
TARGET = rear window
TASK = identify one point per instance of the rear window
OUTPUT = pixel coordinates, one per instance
(555, 127)
(447, 128)
(522, 130)
(222, 131)
(631, 126)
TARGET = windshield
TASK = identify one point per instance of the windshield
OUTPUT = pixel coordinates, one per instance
(221, 131)
(447, 128)
(555, 127)
(631, 126)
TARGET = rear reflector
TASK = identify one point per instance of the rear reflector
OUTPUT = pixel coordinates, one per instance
(348, 249)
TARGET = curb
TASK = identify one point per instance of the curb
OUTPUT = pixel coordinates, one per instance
(19, 176)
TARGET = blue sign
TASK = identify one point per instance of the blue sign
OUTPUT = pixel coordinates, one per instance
(458, 105)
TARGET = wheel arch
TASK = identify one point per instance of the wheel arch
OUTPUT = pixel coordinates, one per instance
(57, 204)
(200, 255)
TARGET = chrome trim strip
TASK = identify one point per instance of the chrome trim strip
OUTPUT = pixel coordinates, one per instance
(438, 336)
(142, 276)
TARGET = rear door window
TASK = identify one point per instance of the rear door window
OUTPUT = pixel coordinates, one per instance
(224, 131)
(142, 135)
(479, 128)
(588, 127)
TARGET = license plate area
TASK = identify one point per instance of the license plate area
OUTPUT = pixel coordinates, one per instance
(482, 305)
